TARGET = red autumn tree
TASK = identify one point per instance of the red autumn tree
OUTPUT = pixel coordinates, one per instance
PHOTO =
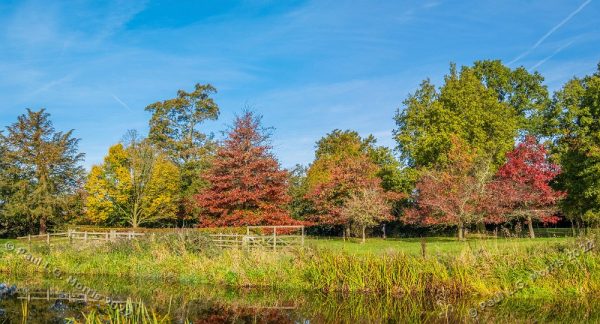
(344, 177)
(522, 186)
(451, 195)
(247, 186)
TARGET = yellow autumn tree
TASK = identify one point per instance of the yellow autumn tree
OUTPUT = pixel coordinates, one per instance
(136, 185)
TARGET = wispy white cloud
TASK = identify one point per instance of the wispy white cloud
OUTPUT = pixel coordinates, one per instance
(48, 85)
(33, 24)
(550, 32)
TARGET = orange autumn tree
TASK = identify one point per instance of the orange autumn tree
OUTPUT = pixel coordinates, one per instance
(247, 185)
(346, 177)
(454, 194)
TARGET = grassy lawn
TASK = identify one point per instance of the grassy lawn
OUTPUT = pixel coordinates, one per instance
(3, 241)
(434, 245)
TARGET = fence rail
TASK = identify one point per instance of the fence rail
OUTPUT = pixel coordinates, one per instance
(256, 237)
(82, 236)
(262, 237)
(51, 295)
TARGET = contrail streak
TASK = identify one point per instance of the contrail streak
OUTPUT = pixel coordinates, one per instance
(121, 102)
(550, 32)
(550, 56)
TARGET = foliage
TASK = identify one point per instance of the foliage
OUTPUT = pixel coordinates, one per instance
(136, 185)
(332, 148)
(174, 129)
(41, 174)
(366, 208)
(300, 206)
(339, 145)
(344, 164)
(521, 90)
(345, 177)
(453, 195)
(394, 177)
(522, 185)
(247, 186)
(463, 107)
(575, 117)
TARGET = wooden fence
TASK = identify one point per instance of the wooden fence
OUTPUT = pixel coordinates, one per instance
(256, 237)
(263, 238)
(51, 295)
(71, 236)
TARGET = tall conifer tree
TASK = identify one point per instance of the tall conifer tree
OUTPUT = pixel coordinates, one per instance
(247, 185)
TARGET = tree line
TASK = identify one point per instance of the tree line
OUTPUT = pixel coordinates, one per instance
(490, 146)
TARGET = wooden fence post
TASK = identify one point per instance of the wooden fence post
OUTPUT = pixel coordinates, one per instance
(70, 236)
(274, 238)
(48, 239)
(85, 236)
(113, 235)
(302, 235)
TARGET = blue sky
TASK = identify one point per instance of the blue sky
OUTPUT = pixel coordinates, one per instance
(307, 66)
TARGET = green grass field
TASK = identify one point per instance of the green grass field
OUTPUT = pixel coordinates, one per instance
(442, 245)
(434, 245)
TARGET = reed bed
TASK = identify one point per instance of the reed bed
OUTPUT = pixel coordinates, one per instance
(189, 258)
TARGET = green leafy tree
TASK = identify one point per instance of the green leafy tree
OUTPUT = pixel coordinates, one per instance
(9, 225)
(575, 117)
(300, 206)
(463, 107)
(174, 128)
(394, 177)
(41, 172)
(136, 185)
(522, 91)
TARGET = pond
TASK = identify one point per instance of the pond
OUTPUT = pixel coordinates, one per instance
(48, 301)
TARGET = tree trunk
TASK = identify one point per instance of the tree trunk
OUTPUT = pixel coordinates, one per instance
(363, 234)
(481, 228)
(43, 225)
(383, 230)
(530, 225)
(461, 232)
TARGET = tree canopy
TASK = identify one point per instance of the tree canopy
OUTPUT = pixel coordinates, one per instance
(575, 117)
(472, 104)
(41, 173)
(174, 128)
(453, 194)
(136, 185)
(522, 188)
(247, 185)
